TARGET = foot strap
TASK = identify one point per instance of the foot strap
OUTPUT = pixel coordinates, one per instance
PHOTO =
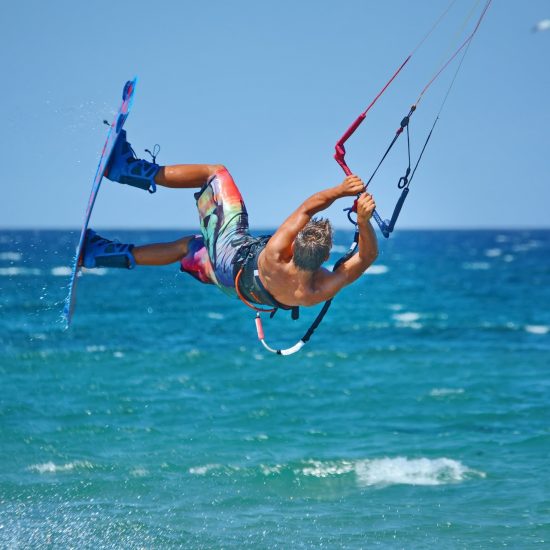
(116, 255)
(141, 174)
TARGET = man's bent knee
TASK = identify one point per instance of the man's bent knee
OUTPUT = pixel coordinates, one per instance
(215, 168)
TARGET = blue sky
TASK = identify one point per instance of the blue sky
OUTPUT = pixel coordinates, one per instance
(267, 88)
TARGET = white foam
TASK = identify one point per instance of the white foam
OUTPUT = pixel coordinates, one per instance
(51, 468)
(203, 470)
(407, 317)
(443, 392)
(95, 271)
(269, 470)
(377, 270)
(537, 329)
(366, 472)
(493, 252)
(95, 349)
(61, 271)
(317, 468)
(476, 266)
(14, 271)
(387, 471)
(339, 249)
(418, 471)
(11, 256)
(214, 315)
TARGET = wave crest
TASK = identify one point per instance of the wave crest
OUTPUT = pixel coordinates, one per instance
(378, 472)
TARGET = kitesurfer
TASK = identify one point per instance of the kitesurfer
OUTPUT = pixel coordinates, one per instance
(283, 270)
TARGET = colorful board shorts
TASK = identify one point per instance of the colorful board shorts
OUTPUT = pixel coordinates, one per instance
(224, 229)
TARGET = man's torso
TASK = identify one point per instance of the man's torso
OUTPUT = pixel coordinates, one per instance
(288, 285)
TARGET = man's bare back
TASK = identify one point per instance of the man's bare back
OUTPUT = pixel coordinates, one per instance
(297, 287)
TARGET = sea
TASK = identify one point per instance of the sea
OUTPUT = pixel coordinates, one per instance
(418, 416)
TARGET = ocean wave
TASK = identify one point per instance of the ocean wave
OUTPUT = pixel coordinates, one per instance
(15, 271)
(95, 271)
(215, 316)
(408, 319)
(416, 471)
(378, 472)
(52, 468)
(377, 270)
(11, 256)
(537, 329)
(207, 468)
(318, 468)
(61, 271)
(493, 252)
(95, 349)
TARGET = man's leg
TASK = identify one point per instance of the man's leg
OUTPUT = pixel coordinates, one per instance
(101, 252)
(161, 253)
(186, 176)
(125, 167)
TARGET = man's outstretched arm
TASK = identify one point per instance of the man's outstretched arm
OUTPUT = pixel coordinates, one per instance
(282, 240)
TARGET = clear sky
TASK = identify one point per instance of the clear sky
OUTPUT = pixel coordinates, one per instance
(267, 88)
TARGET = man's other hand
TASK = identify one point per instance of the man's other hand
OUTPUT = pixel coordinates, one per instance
(365, 207)
(352, 185)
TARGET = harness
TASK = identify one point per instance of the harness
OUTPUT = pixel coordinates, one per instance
(250, 289)
(248, 284)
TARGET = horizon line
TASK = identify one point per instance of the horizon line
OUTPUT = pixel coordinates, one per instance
(267, 228)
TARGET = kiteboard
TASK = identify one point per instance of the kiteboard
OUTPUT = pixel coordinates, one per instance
(114, 130)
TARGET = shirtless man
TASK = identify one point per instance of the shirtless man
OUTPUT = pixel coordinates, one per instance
(281, 271)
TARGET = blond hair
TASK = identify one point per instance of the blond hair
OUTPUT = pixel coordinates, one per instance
(312, 245)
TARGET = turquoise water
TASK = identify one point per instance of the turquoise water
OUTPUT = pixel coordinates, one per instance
(417, 417)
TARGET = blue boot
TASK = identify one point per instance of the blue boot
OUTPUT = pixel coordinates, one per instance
(100, 252)
(125, 167)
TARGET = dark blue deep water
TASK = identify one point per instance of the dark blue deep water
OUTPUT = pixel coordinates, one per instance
(417, 417)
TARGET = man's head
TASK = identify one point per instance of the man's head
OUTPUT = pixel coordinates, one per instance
(312, 245)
